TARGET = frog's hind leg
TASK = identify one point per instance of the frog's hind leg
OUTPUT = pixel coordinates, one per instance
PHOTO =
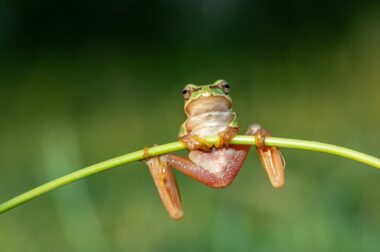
(166, 184)
(270, 156)
(216, 169)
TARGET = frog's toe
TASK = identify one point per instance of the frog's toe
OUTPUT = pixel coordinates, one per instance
(194, 142)
(225, 137)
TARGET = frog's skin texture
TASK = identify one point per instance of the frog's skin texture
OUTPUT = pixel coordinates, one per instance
(209, 113)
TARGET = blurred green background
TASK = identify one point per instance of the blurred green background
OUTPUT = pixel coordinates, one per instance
(84, 81)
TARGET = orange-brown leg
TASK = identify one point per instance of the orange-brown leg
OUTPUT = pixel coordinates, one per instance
(166, 184)
(270, 157)
(216, 169)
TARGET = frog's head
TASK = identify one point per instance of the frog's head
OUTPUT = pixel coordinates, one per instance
(207, 97)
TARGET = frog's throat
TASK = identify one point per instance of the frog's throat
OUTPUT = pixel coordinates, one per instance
(208, 103)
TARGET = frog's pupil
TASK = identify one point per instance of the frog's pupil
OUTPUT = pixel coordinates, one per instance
(227, 86)
(184, 91)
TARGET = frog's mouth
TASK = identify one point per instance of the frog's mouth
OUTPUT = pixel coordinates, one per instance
(208, 103)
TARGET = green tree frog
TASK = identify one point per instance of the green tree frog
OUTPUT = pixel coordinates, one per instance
(209, 113)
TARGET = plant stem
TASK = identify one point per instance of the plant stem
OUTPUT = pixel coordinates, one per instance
(175, 146)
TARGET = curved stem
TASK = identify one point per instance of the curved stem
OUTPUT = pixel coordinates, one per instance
(175, 146)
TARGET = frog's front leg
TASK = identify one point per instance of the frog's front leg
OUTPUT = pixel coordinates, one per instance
(225, 137)
(194, 142)
(270, 156)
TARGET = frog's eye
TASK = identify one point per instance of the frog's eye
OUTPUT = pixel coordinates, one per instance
(224, 86)
(186, 93)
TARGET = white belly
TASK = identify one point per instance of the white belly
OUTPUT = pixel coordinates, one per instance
(209, 123)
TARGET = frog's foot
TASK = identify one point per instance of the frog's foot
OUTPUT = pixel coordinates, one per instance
(194, 142)
(270, 156)
(225, 137)
(166, 184)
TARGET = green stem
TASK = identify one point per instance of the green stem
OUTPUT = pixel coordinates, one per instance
(175, 146)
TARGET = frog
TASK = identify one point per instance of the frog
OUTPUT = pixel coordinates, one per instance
(209, 112)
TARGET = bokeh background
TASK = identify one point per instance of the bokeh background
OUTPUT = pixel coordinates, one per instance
(84, 81)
